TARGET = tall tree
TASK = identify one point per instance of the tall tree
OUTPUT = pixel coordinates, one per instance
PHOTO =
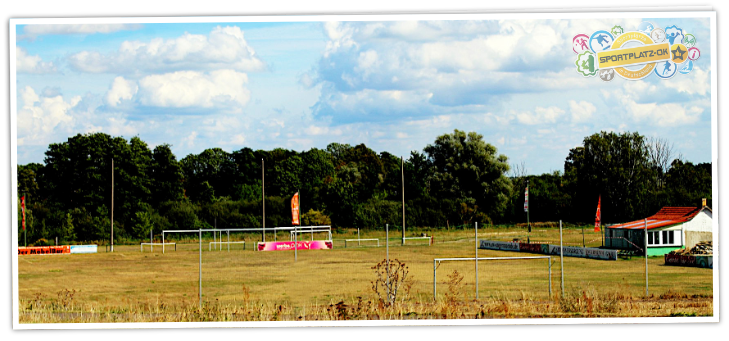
(616, 166)
(166, 175)
(469, 169)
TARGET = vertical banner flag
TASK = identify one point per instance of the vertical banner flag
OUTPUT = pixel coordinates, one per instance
(295, 209)
(22, 208)
(526, 199)
(598, 215)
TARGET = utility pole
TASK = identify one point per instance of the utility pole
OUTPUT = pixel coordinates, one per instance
(645, 237)
(402, 168)
(112, 205)
(476, 229)
(263, 198)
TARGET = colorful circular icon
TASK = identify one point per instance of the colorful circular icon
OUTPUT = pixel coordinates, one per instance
(579, 43)
(689, 40)
(646, 27)
(606, 74)
(658, 35)
(616, 30)
(694, 53)
(600, 41)
(666, 70)
(687, 67)
(586, 64)
(679, 53)
(674, 34)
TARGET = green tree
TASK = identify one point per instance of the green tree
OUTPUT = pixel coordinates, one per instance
(166, 175)
(617, 167)
(687, 184)
(470, 170)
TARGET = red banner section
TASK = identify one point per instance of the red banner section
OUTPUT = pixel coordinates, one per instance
(44, 250)
(302, 245)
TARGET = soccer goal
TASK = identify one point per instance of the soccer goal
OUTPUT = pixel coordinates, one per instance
(359, 242)
(152, 245)
(220, 245)
(429, 240)
(438, 261)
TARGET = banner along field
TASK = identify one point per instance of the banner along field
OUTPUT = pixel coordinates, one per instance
(245, 285)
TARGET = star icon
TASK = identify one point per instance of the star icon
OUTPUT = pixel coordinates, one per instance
(678, 53)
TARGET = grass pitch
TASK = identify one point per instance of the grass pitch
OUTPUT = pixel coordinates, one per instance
(129, 285)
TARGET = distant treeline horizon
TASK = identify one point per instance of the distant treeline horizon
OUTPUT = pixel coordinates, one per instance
(458, 179)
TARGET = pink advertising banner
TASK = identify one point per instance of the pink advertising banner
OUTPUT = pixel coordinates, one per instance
(303, 245)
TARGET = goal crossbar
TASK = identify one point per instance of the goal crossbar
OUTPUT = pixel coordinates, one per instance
(361, 240)
(151, 246)
(221, 243)
(430, 239)
(437, 261)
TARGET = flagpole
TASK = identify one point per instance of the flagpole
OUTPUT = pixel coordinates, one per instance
(296, 236)
(529, 225)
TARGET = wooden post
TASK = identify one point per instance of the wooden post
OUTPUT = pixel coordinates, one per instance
(402, 169)
(561, 256)
(112, 205)
(476, 229)
(263, 198)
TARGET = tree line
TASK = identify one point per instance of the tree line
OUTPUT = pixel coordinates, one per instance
(457, 180)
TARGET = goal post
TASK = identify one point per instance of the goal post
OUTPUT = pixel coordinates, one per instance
(437, 261)
(151, 246)
(359, 241)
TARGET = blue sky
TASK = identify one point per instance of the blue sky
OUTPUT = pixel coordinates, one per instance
(393, 85)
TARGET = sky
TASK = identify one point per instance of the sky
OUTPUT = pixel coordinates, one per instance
(392, 85)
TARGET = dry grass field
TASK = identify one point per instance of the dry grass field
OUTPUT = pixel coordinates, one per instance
(243, 285)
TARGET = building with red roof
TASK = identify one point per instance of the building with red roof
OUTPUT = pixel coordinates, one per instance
(669, 229)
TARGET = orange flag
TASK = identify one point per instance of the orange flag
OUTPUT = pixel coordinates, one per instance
(598, 216)
(295, 209)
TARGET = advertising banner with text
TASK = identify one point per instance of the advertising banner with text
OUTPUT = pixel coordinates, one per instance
(302, 245)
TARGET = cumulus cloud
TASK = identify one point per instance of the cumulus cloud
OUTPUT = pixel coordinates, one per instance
(223, 48)
(581, 111)
(540, 115)
(630, 98)
(25, 63)
(696, 82)
(443, 64)
(121, 89)
(219, 88)
(41, 118)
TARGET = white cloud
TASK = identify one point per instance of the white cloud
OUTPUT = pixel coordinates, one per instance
(629, 97)
(121, 89)
(32, 64)
(223, 48)
(220, 88)
(581, 111)
(42, 118)
(696, 82)
(189, 141)
(539, 116)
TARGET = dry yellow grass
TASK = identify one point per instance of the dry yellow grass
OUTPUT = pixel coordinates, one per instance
(129, 285)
